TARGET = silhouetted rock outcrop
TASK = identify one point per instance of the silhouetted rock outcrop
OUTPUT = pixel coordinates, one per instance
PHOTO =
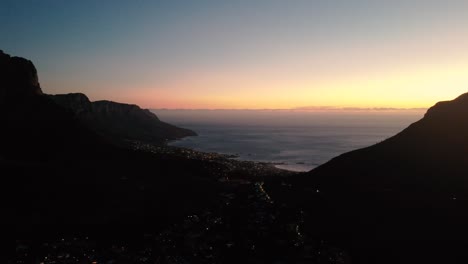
(120, 121)
(32, 125)
(18, 77)
(78, 103)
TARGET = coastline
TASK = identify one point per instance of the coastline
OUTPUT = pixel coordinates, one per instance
(297, 167)
(228, 166)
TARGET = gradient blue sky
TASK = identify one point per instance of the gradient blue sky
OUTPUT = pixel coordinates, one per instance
(245, 54)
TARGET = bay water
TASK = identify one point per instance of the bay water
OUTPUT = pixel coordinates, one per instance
(291, 139)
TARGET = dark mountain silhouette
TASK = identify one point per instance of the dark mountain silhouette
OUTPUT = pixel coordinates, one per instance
(59, 175)
(18, 72)
(120, 122)
(32, 125)
(402, 200)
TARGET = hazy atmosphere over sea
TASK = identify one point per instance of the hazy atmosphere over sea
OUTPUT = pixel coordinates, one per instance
(293, 140)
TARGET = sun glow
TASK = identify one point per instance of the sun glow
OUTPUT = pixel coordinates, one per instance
(417, 88)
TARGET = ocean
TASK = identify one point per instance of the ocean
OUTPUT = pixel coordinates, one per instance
(292, 140)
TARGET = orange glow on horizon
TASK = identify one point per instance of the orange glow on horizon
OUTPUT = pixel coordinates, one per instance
(393, 57)
(417, 88)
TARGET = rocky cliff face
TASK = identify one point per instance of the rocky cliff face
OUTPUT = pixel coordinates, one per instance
(18, 77)
(32, 126)
(78, 103)
(121, 122)
(112, 108)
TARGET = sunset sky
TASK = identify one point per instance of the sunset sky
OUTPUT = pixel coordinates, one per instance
(245, 53)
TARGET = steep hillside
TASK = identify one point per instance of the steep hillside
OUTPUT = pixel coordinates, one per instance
(430, 156)
(403, 200)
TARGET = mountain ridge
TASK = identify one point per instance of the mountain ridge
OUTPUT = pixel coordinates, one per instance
(119, 121)
(436, 140)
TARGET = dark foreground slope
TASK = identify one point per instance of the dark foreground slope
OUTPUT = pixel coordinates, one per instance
(120, 122)
(403, 200)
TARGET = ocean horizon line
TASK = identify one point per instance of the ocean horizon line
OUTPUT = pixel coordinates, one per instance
(302, 109)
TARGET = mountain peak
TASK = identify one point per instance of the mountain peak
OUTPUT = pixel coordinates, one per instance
(18, 77)
(457, 108)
